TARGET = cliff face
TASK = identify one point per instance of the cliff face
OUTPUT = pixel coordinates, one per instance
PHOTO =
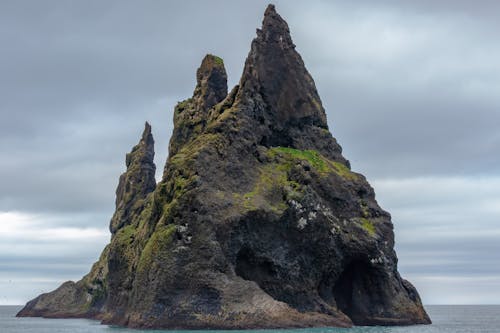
(258, 221)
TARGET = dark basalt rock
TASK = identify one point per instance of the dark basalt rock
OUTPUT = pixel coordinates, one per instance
(258, 221)
(136, 183)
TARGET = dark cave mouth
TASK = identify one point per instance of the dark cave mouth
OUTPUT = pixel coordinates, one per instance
(342, 290)
(352, 292)
(253, 268)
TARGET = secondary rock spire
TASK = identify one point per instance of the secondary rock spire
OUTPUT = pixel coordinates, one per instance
(136, 182)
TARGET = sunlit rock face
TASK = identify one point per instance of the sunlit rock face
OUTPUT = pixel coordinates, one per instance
(258, 221)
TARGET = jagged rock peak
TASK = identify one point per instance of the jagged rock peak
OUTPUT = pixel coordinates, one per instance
(275, 29)
(136, 182)
(191, 115)
(211, 87)
(275, 70)
(143, 153)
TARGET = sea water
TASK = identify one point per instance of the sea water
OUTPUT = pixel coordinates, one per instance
(446, 319)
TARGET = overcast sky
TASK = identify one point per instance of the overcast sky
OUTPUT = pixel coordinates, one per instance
(411, 88)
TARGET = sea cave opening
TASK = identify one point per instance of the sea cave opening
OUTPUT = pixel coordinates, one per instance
(254, 268)
(351, 291)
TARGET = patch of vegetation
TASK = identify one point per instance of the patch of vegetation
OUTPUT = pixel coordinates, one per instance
(272, 189)
(343, 171)
(316, 104)
(156, 246)
(180, 183)
(364, 208)
(325, 131)
(313, 157)
(222, 115)
(183, 105)
(368, 226)
(143, 220)
(218, 60)
(125, 234)
(181, 177)
(320, 163)
(124, 245)
(168, 212)
(189, 151)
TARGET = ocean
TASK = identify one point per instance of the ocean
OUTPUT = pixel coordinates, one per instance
(446, 319)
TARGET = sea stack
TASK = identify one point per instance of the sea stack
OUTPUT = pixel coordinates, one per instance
(258, 221)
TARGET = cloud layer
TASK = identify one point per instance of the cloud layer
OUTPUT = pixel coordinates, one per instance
(410, 88)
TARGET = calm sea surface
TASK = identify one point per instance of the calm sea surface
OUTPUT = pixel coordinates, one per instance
(455, 318)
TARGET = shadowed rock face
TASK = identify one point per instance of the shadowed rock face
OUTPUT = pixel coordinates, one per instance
(276, 71)
(136, 183)
(258, 221)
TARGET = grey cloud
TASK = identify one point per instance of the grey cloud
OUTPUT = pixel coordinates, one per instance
(104, 65)
(458, 289)
(410, 96)
(410, 88)
(447, 234)
(471, 257)
(101, 69)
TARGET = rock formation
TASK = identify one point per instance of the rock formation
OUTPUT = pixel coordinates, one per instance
(258, 221)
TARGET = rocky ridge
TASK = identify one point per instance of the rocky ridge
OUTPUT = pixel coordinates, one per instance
(258, 221)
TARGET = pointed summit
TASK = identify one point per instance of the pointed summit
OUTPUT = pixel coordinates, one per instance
(146, 134)
(190, 115)
(136, 182)
(275, 71)
(211, 87)
(275, 29)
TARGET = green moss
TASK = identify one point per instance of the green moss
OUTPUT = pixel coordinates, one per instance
(156, 246)
(169, 194)
(143, 221)
(272, 189)
(123, 244)
(225, 114)
(178, 158)
(317, 104)
(320, 163)
(368, 226)
(180, 184)
(181, 106)
(364, 208)
(189, 151)
(125, 234)
(343, 171)
(325, 131)
(293, 190)
(218, 60)
(168, 212)
(180, 174)
(313, 157)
